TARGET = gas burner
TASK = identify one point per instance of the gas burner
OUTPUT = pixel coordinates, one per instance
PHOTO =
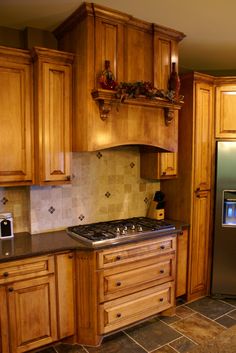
(113, 232)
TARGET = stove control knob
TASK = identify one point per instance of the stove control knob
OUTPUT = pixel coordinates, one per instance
(125, 228)
(123, 232)
(140, 229)
(133, 227)
(117, 230)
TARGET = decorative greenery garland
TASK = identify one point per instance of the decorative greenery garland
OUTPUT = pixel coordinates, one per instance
(140, 89)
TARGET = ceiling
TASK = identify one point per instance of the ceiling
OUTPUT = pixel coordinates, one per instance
(209, 25)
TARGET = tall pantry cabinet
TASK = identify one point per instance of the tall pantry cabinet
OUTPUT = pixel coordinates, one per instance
(193, 187)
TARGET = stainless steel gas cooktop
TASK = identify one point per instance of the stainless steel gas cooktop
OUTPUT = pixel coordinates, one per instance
(113, 232)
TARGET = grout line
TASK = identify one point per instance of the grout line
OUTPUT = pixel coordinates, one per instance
(135, 341)
(224, 314)
(85, 349)
(221, 300)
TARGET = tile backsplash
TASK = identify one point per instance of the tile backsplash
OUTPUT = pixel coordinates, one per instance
(105, 185)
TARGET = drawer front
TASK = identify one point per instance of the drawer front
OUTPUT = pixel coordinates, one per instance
(134, 252)
(27, 268)
(123, 283)
(121, 312)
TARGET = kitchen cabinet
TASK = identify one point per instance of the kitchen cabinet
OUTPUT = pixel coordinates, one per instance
(53, 112)
(137, 51)
(124, 284)
(225, 109)
(27, 302)
(192, 190)
(16, 118)
(158, 165)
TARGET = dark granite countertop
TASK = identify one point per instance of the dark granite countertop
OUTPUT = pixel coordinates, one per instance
(24, 245)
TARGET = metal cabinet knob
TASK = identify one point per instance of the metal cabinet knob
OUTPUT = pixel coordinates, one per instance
(118, 315)
(118, 284)
(162, 247)
(5, 274)
(10, 289)
(118, 257)
(162, 271)
(161, 299)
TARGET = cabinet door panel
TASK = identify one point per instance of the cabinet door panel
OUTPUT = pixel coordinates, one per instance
(199, 248)
(32, 313)
(56, 122)
(16, 145)
(203, 136)
(226, 111)
(65, 293)
(109, 46)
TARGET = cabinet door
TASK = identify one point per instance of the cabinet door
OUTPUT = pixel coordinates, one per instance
(16, 118)
(203, 136)
(32, 313)
(158, 165)
(199, 245)
(225, 111)
(53, 102)
(65, 294)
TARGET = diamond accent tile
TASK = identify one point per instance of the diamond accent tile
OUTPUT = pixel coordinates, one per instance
(107, 194)
(146, 200)
(99, 155)
(132, 165)
(81, 217)
(4, 200)
(51, 210)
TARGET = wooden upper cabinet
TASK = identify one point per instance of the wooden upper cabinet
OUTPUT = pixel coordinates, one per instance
(158, 165)
(16, 117)
(203, 136)
(225, 111)
(53, 103)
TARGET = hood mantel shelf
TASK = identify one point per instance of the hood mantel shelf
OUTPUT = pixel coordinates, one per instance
(106, 99)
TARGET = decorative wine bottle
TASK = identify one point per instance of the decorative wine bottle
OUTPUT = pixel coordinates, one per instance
(107, 78)
(174, 82)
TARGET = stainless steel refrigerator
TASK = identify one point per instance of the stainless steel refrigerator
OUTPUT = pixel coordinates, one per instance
(224, 248)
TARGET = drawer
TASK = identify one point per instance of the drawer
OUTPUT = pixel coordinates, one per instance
(26, 268)
(133, 252)
(127, 310)
(119, 284)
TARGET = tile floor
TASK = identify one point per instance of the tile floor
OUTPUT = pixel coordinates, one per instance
(194, 324)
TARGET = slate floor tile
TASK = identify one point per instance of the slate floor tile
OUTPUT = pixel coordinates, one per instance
(226, 321)
(184, 311)
(183, 344)
(46, 350)
(198, 328)
(210, 307)
(69, 348)
(169, 319)
(152, 334)
(119, 343)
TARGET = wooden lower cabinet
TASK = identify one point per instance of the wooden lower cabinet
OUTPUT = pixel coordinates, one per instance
(31, 310)
(122, 285)
(37, 301)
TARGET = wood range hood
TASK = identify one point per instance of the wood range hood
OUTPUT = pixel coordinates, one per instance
(137, 51)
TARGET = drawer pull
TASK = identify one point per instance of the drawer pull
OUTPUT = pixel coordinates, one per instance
(118, 257)
(162, 247)
(181, 233)
(161, 299)
(118, 315)
(118, 284)
(5, 274)
(10, 289)
(70, 256)
(162, 271)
